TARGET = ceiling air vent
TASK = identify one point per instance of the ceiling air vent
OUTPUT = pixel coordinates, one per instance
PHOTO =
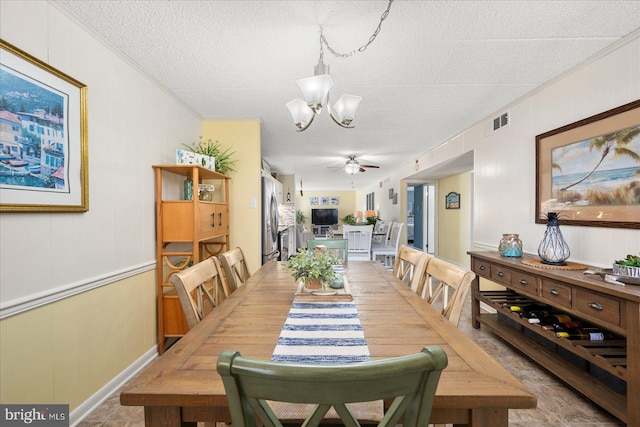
(498, 122)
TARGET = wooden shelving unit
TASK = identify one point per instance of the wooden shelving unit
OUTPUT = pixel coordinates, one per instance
(607, 372)
(187, 231)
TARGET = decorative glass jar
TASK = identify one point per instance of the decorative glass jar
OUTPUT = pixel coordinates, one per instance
(188, 188)
(553, 250)
(510, 245)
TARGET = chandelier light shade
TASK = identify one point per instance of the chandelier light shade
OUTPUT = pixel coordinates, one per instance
(316, 90)
(344, 110)
(301, 113)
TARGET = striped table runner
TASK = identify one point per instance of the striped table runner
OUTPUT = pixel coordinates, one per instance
(323, 333)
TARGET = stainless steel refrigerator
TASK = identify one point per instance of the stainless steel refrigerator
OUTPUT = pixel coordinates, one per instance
(269, 220)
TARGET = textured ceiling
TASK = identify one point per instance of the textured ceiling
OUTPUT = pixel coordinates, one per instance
(435, 69)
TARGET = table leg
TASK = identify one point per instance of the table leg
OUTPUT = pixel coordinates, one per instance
(164, 416)
(475, 302)
(489, 417)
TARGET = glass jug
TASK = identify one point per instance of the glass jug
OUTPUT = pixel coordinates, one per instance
(510, 245)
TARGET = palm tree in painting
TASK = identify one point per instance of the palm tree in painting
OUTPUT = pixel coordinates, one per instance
(615, 142)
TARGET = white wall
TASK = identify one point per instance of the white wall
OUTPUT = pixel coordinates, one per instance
(504, 162)
(132, 122)
(77, 290)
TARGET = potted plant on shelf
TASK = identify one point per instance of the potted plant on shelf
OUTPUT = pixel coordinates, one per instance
(315, 269)
(222, 158)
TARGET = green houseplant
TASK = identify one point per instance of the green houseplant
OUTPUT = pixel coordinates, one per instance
(630, 266)
(301, 218)
(349, 219)
(223, 161)
(315, 269)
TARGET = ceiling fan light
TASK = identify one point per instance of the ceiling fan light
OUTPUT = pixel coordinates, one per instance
(316, 90)
(352, 168)
(345, 108)
(301, 113)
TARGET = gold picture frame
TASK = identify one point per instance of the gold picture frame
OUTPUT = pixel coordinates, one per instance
(43, 136)
(589, 171)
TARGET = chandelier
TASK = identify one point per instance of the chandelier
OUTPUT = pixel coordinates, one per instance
(316, 89)
(316, 93)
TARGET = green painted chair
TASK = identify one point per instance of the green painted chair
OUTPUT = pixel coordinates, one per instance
(338, 247)
(411, 382)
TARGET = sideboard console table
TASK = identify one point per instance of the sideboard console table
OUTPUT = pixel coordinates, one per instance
(607, 372)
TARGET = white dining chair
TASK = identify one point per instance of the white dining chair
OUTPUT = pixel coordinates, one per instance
(359, 241)
(390, 250)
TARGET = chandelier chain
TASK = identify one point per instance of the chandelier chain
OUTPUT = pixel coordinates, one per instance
(362, 48)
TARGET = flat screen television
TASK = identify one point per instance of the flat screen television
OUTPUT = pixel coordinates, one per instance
(324, 216)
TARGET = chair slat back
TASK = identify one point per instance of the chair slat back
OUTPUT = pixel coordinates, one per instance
(198, 289)
(359, 240)
(410, 381)
(338, 247)
(235, 268)
(410, 267)
(446, 287)
(394, 236)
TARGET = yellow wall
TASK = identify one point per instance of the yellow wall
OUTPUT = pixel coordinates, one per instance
(243, 136)
(347, 203)
(64, 352)
(454, 224)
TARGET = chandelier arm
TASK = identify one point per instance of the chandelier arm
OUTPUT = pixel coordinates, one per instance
(303, 128)
(337, 122)
(362, 48)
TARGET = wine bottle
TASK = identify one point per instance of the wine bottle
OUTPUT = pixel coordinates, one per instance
(561, 327)
(529, 311)
(592, 334)
(555, 319)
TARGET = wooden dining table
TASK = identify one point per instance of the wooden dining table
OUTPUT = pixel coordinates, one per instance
(182, 387)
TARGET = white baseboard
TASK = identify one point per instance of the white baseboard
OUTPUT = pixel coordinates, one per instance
(108, 389)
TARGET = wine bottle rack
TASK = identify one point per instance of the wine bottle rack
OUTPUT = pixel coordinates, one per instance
(609, 355)
(607, 372)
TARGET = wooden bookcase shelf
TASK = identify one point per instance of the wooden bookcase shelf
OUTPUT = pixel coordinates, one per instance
(187, 231)
(607, 372)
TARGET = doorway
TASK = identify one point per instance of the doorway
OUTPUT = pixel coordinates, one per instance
(421, 221)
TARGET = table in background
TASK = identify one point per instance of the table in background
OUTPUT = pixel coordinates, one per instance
(182, 386)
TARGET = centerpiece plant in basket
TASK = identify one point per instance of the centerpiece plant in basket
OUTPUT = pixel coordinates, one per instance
(315, 269)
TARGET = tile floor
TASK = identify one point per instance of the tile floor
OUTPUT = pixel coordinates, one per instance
(558, 405)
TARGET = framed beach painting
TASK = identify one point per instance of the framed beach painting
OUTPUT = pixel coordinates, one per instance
(589, 171)
(43, 136)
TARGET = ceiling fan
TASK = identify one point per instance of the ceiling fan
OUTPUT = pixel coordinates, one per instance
(352, 166)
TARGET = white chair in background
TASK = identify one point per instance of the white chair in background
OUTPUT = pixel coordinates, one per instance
(390, 250)
(359, 241)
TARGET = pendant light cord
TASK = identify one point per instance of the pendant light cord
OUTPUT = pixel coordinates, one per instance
(362, 48)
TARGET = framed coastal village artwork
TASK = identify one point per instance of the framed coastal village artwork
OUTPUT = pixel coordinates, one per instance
(589, 171)
(43, 136)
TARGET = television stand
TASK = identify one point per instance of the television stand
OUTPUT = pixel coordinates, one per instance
(322, 230)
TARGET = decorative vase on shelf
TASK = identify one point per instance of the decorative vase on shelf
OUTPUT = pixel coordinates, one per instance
(188, 189)
(510, 245)
(553, 250)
